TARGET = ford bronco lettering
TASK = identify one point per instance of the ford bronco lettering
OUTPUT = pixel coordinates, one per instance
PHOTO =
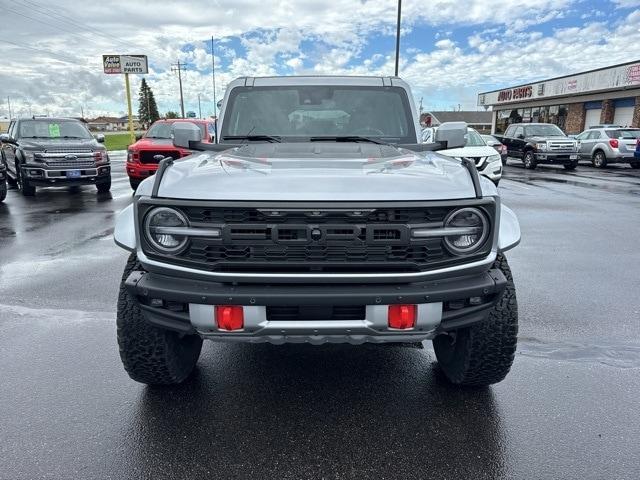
(317, 217)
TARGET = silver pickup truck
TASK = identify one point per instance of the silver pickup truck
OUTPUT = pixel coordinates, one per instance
(318, 217)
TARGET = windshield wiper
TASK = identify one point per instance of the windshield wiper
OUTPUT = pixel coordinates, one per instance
(254, 138)
(347, 138)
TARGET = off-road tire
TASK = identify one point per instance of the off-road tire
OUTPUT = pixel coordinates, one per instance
(23, 184)
(483, 353)
(149, 354)
(134, 183)
(635, 165)
(529, 160)
(599, 159)
(570, 166)
(104, 186)
(3, 190)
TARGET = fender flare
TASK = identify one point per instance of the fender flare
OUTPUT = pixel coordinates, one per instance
(509, 233)
(124, 233)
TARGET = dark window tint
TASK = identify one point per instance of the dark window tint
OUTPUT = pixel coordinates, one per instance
(623, 134)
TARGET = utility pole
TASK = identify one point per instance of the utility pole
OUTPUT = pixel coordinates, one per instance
(179, 68)
(213, 74)
(82, 111)
(9, 104)
(199, 109)
(398, 36)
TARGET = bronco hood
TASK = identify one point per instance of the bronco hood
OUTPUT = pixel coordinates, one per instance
(315, 172)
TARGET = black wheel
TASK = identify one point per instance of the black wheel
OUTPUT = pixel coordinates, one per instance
(3, 190)
(104, 186)
(529, 160)
(134, 183)
(599, 159)
(635, 165)
(149, 354)
(570, 166)
(23, 184)
(483, 353)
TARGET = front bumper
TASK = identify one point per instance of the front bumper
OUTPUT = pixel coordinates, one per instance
(48, 176)
(187, 306)
(141, 171)
(493, 171)
(556, 158)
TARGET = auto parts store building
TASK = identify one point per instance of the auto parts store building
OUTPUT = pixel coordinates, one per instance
(608, 95)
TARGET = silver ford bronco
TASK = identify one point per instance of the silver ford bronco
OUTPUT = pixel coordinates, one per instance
(318, 216)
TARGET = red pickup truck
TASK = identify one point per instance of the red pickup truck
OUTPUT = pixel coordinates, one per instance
(144, 155)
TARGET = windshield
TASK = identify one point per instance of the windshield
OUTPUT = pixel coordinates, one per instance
(320, 111)
(543, 131)
(163, 130)
(53, 129)
(631, 134)
(474, 139)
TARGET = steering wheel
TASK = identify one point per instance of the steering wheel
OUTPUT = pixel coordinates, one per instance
(368, 131)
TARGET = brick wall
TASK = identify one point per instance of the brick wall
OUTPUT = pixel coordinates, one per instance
(606, 115)
(636, 114)
(575, 118)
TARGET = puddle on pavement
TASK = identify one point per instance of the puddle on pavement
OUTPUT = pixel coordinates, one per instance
(621, 355)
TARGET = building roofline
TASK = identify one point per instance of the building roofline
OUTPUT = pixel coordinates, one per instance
(560, 77)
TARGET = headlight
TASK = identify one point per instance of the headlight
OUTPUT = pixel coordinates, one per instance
(29, 156)
(494, 158)
(160, 229)
(473, 227)
(541, 146)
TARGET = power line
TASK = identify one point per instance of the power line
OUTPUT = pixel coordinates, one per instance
(60, 58)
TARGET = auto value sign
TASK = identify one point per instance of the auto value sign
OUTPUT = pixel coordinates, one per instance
(125, 64)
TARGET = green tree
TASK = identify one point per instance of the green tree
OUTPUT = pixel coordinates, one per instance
(171, 114)
(147, 108)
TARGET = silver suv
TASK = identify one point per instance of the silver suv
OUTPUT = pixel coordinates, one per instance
(606, 145)
(318, 217)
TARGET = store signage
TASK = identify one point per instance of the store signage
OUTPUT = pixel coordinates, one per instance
(515, 93)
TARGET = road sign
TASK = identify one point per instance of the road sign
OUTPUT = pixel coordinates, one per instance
(114, 64)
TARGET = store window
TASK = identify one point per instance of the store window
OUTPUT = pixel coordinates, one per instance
(556, 114)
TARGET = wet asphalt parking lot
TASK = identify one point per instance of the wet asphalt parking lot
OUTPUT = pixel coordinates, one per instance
(569, 409)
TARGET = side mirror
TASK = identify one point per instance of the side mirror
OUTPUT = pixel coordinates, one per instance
(185, 132)
(520, 137)
(139, 136)
(453, 133)
(100, 138)
(6, 138)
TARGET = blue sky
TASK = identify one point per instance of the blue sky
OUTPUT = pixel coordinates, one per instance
(450, 50)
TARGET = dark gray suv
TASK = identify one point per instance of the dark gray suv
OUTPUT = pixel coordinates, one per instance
(42, 151)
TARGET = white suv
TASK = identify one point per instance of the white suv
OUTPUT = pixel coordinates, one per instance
(487, 160)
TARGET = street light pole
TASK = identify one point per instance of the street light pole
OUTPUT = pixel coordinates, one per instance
(199, 109)
(398, 36)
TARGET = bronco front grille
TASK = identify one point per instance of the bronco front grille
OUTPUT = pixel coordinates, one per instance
(311, 238)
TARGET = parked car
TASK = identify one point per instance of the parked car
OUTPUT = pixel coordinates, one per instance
(537, 143)
(487, 161)
(47, 151)
(3, 181)
(608, 145)
(144, 155)
(332, 225)
(499, 147)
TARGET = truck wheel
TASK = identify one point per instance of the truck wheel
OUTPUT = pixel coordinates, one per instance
(635, 165)
(599, 160)
(570, 166)
(529, 160)
(3, 190)
(104, 187)
(3, 160)
(25, 188)
(483, 353)
(134, 183)
(149, 354)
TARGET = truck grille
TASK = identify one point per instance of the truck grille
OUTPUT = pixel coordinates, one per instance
(556, 146)
(68, 150)
(146, 156)
(64, 163)
(315, 239)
